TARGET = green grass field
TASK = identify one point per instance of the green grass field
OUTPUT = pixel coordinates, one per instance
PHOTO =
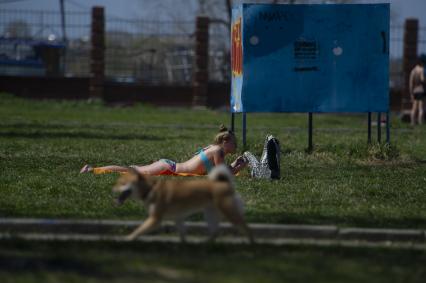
(43, 145)
(101, 262)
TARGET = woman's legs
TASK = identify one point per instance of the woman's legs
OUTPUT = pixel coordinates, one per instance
(420, 121)
(413, 112)
(152, 169)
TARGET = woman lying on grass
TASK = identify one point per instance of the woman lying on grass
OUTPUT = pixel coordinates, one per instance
(200, 164)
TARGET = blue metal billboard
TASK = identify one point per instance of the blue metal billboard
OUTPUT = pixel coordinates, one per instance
(310, 58)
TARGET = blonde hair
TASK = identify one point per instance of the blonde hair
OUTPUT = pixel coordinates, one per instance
(224, 135)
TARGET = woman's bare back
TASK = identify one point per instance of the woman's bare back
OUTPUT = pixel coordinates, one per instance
(196, 165)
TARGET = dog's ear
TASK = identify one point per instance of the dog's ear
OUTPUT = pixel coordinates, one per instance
(133, 171)
(140, 177)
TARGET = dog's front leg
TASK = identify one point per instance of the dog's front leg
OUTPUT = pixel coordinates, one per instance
(148, 225)
(212, 218)
(180, 226)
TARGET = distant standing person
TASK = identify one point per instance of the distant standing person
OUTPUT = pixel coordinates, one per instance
(417, 92)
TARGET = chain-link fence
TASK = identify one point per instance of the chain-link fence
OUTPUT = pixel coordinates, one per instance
(149, 51)
(396, 52)
(422, 41)
(28, 38)
(160, 52)
(153, 52)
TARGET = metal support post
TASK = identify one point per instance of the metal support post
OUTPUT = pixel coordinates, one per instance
(310, 145)
(369, 128)
(379, 127)
(388, 127)
(233, 122)
(244, 130)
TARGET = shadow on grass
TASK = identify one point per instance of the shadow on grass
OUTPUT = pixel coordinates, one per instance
(80, 135)
(51, 126)
(38, 262)
(367, 221)
(165, 262)
(420, 161)
(98, 261)
(65, 264)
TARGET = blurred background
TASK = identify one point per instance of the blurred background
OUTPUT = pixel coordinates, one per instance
(145, 50)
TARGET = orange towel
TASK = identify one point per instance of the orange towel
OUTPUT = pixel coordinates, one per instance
(99, 171)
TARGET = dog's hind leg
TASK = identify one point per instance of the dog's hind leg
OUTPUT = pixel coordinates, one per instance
(233, 212)
(212, 218)
(148, 225)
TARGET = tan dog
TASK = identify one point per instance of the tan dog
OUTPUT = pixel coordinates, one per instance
(177, 199)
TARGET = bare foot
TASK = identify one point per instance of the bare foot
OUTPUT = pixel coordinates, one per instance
(86, 169)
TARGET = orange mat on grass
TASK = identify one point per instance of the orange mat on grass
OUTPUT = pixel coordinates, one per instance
(99, 171)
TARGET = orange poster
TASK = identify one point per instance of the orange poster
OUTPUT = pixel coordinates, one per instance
(237, 49)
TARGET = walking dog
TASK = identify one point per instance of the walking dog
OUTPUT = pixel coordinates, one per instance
(178, 199)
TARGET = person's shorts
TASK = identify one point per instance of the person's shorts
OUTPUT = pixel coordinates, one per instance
(419, 95)
(171, 163)
(169, 171)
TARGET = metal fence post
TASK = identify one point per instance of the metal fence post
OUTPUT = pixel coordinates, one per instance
(244, 131)
(411, 30)
(369, 128)
(379, 127)
(310, 132)
(233, 122)
(97, 53)
(388, 127)
(201, 70)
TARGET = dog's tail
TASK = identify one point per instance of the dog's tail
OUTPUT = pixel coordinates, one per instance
(223, 174)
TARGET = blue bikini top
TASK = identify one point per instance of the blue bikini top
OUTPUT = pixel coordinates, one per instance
(206, 162)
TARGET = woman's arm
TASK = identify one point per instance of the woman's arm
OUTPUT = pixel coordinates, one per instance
(238, 164)
(218, 157)
(235, 167)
